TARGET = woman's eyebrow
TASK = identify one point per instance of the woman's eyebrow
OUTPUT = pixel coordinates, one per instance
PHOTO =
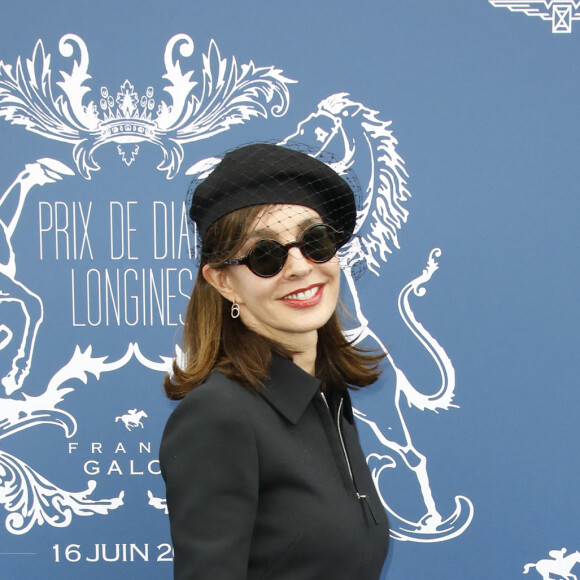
(267, 232)
(264, 232)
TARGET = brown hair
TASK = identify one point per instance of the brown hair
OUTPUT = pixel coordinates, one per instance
(213, 340)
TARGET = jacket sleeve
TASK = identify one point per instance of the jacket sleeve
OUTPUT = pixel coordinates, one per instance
(209, 461)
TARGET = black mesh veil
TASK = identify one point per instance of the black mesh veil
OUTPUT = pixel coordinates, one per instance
(267, 174)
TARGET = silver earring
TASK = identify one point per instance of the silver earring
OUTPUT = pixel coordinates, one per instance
(235, 311)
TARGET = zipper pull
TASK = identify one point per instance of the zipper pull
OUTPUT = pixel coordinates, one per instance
(364, 498)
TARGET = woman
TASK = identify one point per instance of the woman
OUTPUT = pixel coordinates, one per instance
(264, 472)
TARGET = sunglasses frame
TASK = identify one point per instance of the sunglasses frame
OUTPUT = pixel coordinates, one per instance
(334, 235)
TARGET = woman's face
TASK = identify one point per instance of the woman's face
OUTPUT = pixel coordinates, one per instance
(292, 305)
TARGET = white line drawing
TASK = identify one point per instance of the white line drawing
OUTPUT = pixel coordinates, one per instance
(132, 418)
(164, 365)
(11, 290)
(366, 144)
(159, 503)
(558, 566)
(33, 500)
(30, 498)
(230, 95)
(560, 12)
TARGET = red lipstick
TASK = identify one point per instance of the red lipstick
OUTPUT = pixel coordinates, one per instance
(294, 301)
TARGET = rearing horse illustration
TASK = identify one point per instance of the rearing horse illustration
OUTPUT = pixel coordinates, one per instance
(11, 290)
(364, 144)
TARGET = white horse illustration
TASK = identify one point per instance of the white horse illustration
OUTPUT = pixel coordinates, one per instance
(132, 418)
(365, 144)
(11, 290)
(559, 566)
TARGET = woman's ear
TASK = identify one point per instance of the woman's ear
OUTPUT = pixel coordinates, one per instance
(218, 278)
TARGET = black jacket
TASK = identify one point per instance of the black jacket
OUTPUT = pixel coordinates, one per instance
(259, 485)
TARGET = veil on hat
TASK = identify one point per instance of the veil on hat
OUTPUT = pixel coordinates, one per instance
(268, 173)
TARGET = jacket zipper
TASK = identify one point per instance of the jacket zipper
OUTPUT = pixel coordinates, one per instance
(360, 496)
(346, 458)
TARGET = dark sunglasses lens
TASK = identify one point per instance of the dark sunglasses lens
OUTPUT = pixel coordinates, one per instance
(267, 258)
(319, 243)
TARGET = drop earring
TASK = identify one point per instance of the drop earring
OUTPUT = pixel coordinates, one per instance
(235, 310)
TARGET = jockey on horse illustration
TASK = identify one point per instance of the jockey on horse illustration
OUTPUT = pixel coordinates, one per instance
(132, 418)
(559, 566)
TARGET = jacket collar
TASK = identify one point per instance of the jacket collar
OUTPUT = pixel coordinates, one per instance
(289, 389)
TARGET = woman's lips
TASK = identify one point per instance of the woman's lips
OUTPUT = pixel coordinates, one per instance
(304, 298)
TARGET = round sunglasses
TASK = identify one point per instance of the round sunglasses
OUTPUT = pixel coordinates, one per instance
(267, 257)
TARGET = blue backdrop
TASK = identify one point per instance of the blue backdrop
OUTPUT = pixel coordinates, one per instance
(461, 121)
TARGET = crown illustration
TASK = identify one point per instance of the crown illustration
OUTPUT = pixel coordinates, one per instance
(127, 118)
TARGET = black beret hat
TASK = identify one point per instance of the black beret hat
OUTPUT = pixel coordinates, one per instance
(264, 173)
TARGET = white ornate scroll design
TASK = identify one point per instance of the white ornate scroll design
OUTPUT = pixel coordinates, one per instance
(28, 496)
(163, 365)
(32, 500)
(230, 95)
(366, 145)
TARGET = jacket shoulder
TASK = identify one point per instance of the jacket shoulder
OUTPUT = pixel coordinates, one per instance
(218, 390)
(219, 402)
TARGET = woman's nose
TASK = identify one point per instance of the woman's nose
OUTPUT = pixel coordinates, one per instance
(296, 264)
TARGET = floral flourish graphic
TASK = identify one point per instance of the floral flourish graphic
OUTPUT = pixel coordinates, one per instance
(230, 95)
(28, 496)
